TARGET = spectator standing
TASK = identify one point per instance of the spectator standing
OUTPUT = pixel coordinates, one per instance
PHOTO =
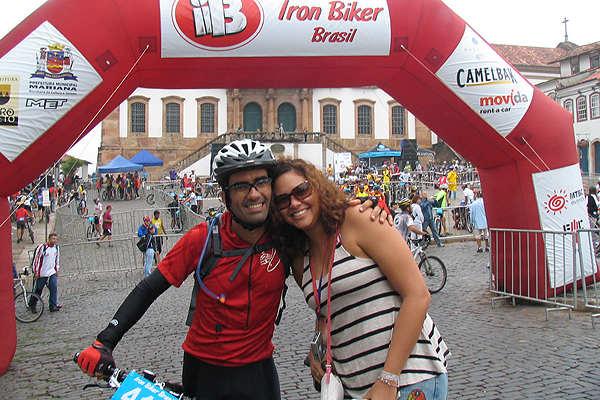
(46, 263)
(427, 210)
(469, 193)
(107, 222)
(191, 197)
(148, 231)
(441, 197)
(480, 226)
(160, 233)
(452, 180)
(592, 202)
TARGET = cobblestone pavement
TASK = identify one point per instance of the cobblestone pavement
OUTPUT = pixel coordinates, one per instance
(510, 352)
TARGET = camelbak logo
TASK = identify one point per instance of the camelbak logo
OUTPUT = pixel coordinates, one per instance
(218, 24)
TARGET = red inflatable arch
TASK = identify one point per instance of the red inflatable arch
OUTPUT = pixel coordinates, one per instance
(63, 70)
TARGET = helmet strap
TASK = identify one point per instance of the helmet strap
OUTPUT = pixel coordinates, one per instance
(243, 224)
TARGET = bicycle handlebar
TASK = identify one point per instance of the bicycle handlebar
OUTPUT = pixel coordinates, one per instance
(115, 376)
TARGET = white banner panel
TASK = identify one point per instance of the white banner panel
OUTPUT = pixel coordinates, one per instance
(274, 28)
(41, 79)
(487, 83)
(341, 162)
(562, 205)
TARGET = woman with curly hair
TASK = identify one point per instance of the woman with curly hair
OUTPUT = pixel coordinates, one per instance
(383, 343)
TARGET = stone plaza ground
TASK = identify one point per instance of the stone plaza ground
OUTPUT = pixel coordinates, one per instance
(510, 352)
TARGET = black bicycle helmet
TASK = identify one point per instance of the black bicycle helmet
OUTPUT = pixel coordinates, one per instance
(240, 155)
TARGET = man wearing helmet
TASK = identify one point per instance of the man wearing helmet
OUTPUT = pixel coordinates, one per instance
(228, 351)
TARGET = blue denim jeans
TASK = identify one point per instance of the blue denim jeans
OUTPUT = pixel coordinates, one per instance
(52, 282)
(148, 258)
(430, 389)
(429, 223)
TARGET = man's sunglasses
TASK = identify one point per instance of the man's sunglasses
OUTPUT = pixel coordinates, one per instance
(243, 188)
(301, 192)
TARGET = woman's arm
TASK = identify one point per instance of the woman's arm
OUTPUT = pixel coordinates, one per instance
(386, 247)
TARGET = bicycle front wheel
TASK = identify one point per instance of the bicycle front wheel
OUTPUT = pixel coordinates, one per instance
(23, 312)
(434, 273)
(150, 199)
(31, 235)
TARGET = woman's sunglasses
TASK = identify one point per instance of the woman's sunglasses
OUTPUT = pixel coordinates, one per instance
(301, 192)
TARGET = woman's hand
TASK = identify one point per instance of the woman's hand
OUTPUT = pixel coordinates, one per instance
(381, 391)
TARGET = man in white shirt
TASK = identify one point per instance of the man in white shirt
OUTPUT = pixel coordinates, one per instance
(97, 215)
(468, 192)
(46, 264)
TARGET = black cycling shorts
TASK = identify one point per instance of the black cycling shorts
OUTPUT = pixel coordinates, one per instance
(107, 232)
(256, 381)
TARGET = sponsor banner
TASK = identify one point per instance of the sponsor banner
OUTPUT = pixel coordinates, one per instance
(274, 28)
(562, 204)
(341, 162)
(41, 79)
(486, 83)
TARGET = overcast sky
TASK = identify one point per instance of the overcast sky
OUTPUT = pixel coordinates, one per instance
(518, 22)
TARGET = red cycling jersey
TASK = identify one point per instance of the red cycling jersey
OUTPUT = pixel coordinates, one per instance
(238, 331)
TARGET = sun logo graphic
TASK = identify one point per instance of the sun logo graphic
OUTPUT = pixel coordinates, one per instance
(218, 25)
(556, 203)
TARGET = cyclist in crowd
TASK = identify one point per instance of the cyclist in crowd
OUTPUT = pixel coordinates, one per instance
(97, 215)
(21, 214)
(228, 349)
(191, 198)
(383, 343)
(441, 197)
(404, 221)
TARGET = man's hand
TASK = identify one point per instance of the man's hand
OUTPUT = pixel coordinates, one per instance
(95, 360)
(377, 211)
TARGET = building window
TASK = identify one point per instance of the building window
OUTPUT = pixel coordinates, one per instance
(398, 115)
(286, 115)
(253, 121)
(568, 106)
(575, 65)
(208, 107)
(581, 109)
(330, 116)
(137, 109)
(364, 116)
(595, 105)
(595, 59)
(138, 117)
(207, 118)
(172, 115)
(330, 119)
(172, 118)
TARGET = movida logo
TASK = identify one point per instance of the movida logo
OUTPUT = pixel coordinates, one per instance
(218, 25)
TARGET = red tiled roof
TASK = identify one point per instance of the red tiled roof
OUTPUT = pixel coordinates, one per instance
(595, 75)
(579, 50)
(529, 55)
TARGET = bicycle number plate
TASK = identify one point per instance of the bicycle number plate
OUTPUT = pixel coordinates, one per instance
(136, 387)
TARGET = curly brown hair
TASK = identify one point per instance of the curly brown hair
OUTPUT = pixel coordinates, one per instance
(333, 204)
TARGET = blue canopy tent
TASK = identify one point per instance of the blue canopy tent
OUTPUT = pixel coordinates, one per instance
(146, 159)
(119, 164)
(379, 154)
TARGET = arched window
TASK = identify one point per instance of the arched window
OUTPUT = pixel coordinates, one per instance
(253, 118)
(597, 157)
(172, 118)
(595, 105)
(286, 115)
(568, 105)
(138, 117)
(330, 119)
(207, 118)
(581, 109)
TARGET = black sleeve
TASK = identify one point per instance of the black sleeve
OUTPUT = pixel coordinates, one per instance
(134, 307)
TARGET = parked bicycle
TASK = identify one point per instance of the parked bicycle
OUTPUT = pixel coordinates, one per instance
(432, 268)
(132, 385)
(24, 313)
(91, 232)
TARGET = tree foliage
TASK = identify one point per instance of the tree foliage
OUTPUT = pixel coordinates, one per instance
(71, 165)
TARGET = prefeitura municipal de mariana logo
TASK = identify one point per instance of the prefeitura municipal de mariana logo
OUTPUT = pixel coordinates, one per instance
(54, 61)
(556, 203)
(218, 25)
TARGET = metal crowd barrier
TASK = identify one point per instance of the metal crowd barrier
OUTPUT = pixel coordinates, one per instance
(566, 257)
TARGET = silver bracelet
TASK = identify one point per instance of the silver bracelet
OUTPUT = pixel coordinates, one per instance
(386, 377)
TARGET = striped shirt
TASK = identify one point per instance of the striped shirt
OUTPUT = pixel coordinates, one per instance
(364, 311)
